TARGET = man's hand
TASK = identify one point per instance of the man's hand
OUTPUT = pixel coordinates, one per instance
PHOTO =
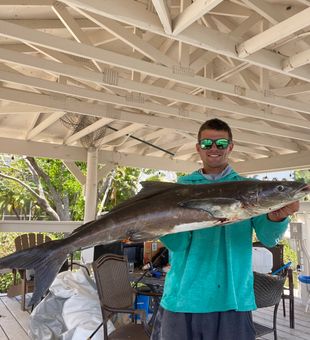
(282, 213)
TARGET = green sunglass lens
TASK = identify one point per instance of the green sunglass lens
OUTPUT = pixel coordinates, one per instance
(206, 143)
(222, 143)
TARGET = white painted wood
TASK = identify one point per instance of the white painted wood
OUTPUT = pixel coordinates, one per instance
(192, 13)
(91, 185)
(99, 110)
(297, 60)
(152, 90)
(301, 160)
(90, 197)
(291, 90)
(87, 130)
(129, 38)
(38, 226)
(163, 14)
(43, 125)
(273, 34)
(136, 14)
(76, 172)
(156, 70)
(122, 132)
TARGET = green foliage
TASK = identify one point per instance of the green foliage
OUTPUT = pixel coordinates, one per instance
(303, 176)
(16, 199)
(5, 282)
(124, 186)
(289, 253)
(65, 184)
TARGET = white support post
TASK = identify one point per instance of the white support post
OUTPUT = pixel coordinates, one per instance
(90, 197)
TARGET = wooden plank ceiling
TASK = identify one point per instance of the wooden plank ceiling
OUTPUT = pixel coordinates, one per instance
(135, 79)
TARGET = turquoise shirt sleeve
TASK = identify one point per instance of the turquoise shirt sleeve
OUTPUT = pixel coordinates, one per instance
(177, 242)
(269, 232)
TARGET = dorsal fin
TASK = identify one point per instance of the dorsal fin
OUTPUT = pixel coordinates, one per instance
(149, 189)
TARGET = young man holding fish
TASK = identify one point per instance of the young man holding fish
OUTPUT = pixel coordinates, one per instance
(209, 290)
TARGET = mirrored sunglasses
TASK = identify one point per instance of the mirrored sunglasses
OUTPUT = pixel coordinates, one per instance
(221, 143)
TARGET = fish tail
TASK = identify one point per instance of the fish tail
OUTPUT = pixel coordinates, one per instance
(46, 259)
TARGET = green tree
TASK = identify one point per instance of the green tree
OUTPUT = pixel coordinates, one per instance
(303, 176)
(39, 188)
(123, 186)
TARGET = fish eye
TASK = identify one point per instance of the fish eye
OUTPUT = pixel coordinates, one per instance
(280, 188)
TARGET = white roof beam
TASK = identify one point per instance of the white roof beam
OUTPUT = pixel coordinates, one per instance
(75, 171)
(136, 14)
(147, 106)
(74, 153)
(120, 133)
(72, 26)
(272, 12)
(147, 137)
(49, 23)
(16, 108)
(129, 38)
(273, 34)
(76, 106)
(51, 119)
(301, 160)
(291, 90)
(87, 130)
(230, 9)
(192, 13)
(95, 95)
(163, 14)
(160, 71)
(296, 60)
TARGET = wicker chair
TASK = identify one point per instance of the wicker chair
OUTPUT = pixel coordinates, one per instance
(268, 292)
(288, 292)
(25, 284)
(117, 296)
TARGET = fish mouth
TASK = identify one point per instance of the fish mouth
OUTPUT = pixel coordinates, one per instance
(304, 188)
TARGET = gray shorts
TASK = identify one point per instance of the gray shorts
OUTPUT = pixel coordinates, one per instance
(230, 325)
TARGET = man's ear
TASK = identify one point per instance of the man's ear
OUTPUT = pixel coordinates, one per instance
(231, 146)
(197, 147)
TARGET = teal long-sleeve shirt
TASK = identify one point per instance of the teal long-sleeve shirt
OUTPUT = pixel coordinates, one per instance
(211, 269)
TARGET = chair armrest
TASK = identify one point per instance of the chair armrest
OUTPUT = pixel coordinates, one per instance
(150, 293)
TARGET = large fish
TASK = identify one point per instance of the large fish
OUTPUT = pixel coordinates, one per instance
(160, 208)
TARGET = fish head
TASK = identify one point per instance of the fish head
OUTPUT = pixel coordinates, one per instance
(266, 196)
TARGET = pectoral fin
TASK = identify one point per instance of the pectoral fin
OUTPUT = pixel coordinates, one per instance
(216, 207)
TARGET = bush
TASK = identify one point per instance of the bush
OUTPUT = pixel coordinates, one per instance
(6, 281)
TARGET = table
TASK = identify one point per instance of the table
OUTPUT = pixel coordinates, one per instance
(155, 284)
(156, 287)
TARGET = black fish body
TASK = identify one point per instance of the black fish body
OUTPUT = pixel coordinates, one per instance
(158, 209)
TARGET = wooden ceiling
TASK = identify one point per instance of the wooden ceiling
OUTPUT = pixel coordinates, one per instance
(136, 79)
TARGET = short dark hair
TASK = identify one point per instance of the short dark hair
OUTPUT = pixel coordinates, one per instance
(215, 124)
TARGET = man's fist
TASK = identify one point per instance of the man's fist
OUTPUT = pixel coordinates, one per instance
(282, 213)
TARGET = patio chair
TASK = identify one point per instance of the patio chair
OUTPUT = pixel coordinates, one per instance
(117, 296)
(25, 284)
(268, 291)
(288, 292)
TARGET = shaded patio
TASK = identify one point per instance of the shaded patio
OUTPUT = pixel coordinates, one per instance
(14, 322)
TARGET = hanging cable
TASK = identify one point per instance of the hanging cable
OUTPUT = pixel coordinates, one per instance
(143, 141)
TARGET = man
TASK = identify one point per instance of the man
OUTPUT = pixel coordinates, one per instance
(208, 291)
